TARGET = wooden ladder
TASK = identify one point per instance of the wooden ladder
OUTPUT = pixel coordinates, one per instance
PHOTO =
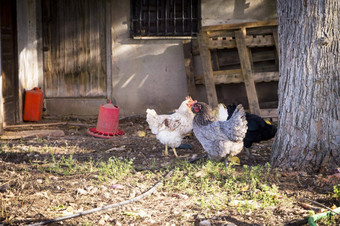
(242, 36)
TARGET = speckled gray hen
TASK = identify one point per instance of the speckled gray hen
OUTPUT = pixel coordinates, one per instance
(220, 139)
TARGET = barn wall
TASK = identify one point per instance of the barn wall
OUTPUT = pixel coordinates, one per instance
(29, 48)
(1, 102)
(75, 67)
(144, 73)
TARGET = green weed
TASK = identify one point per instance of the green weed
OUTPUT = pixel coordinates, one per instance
(218, 186)
(67, 165)
(336, 190)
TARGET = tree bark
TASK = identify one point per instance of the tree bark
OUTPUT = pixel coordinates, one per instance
(308, 136)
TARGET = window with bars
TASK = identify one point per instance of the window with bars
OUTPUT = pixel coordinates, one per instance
(165, 18)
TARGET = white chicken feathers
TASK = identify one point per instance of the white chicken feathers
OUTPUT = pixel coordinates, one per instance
(221, 113)
(170, 129)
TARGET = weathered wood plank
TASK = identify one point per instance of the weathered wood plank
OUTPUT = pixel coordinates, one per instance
(67, 78)
(263, 55)
(266, 76)
(47, 47)
(108, 49)
(235, 76)
(251, 41)
(259, 41)
(250, 31)
(87, 59)
(189, 68)
(269, 113)
(102, 47)
(9, 135)
(228, 43)
(75, 59)
(244, 55)
(240, 25)
(207, 69)
(276, 41)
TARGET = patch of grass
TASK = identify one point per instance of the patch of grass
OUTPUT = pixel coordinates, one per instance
(67, 165)
(211, 185)
(114, 168)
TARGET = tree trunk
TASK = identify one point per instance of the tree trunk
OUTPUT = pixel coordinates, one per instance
(308, 135)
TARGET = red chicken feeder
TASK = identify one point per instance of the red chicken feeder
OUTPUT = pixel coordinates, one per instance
(107, 124)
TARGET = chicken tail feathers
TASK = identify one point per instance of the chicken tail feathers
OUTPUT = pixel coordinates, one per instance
(239, 123)
(151, 118)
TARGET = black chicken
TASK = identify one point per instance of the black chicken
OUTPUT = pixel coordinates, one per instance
(258, 129)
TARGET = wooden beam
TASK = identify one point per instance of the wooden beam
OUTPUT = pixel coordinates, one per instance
(266, 76)
(235, 76)
(259, 40)
(276, 41)
(251, 41)
(189, 68)
(240, 25)
(227, 43)
(207, 69)
(244, 54)
(269, 113)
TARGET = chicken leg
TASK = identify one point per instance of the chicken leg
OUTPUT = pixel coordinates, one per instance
(248, 153)
(174, 150)
(166, 150)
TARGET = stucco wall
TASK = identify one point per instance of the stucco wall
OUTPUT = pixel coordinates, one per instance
(145, 73)
(237, 11)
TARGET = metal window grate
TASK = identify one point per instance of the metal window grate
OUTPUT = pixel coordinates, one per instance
(165, 17)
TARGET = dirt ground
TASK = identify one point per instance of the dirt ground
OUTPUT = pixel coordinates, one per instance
(30, 195)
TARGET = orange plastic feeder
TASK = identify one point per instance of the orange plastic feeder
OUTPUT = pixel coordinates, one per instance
(107, 124)
(33, 107)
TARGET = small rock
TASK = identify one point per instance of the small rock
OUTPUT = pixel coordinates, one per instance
(40, 181)
(103, 188)
(132, 194)
(4, 187)
(117, 186)
(106, 217)
(107, 195)
(94, 190)
(205, 223)
(303, 174)
(81, 191)
(102, 222)
(89, 188)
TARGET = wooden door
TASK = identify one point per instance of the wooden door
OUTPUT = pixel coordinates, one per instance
(74, 48)
(9, 61)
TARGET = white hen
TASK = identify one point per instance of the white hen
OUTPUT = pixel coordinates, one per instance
(170, 129)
